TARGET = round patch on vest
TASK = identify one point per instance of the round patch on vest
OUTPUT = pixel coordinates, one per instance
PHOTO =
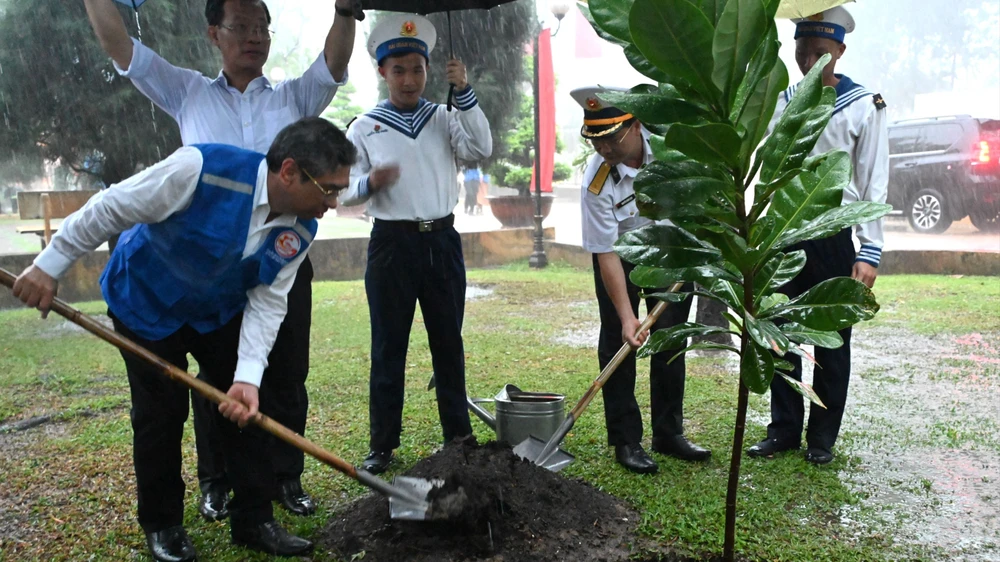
(287, 244)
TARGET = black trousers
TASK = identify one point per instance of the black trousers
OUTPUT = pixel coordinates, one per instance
(159, 411)
(666, 381)
(406, 268)
(825, 259)
(283, 393)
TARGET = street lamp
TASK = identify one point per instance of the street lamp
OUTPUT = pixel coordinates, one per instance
(538, 258)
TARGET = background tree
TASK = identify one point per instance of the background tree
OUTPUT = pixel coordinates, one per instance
(492, 44)
(62, 100)
(342, 109)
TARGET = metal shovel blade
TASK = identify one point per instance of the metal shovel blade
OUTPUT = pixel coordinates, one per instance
(531, 449)
(407, 509)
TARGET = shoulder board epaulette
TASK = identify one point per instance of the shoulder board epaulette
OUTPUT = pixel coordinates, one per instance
(879, 101)
(597, 184)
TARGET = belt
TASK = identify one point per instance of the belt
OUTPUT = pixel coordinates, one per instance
(420, 226)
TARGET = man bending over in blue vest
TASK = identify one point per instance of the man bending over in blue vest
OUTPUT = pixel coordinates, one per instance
(211, 241)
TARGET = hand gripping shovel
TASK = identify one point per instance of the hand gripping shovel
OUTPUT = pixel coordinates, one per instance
(407, 498)
(548, 454)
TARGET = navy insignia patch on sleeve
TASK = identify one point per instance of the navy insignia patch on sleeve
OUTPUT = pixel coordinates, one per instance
(879, 102)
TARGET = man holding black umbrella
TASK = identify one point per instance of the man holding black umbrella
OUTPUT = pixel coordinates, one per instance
(242, 108)
(407, 175)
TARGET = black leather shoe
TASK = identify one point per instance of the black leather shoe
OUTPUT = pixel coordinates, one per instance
(273, 539)
(818, 456)
(171, 545)
(679, 447)
(293, 499)
(214, 503)
(634, 458)
(770, 446)
(377, 461)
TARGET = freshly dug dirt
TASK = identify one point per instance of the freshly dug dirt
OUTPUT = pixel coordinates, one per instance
(517, 512)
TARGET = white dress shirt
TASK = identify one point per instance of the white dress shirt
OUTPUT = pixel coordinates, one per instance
(612, 212)
(212, 111)
(152, 196)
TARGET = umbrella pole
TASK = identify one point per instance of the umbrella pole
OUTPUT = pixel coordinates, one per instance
(451, 48)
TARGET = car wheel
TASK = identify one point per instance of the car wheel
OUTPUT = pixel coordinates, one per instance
(986, 221)
(927, 212)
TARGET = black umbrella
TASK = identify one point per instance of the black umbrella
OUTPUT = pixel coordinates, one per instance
(424, 7)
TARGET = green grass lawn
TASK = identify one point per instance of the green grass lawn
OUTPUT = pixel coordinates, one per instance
(67, 487)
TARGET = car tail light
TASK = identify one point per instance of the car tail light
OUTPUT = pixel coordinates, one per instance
(985, 156)
(984, 152)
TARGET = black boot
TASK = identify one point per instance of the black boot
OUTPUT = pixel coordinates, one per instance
(271, 538)
(377, 461)
(171, 545)
(679, 447)
(214, 504)
(634, 458)
(771, 446)
(293, 499)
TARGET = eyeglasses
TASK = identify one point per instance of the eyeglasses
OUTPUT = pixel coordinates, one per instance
(599, 142)
(326, 191)
(243, 31)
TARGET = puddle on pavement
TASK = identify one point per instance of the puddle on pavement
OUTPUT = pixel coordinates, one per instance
(474, 292)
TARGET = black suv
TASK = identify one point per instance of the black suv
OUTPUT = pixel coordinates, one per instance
(944, 169)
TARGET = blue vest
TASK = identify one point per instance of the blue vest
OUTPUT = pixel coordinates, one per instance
(190, 269)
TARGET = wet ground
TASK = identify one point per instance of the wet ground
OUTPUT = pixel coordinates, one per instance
(923, 433)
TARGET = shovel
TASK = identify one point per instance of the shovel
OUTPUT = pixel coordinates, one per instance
(547, 454)
(407, 496)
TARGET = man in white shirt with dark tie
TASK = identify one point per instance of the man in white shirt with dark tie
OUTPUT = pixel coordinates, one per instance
(242, 108)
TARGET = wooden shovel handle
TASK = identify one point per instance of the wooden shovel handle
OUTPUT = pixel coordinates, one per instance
(201, 387)
(624, 352)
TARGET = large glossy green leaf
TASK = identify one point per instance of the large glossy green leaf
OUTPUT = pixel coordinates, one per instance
(800, 334)
(646, 68)
(768, 302)
(704, 345)
(655, 107)
(778, 270)
(833, 221)
(757, 110)
(715, 143)
(766, 334)
(668, 296)
(612, 17)
(761, 230)
(802, 121)
(729, 293)
(657, 277)
(665, 246)
(675, 337)
(676, 37)
(756, 368)
(804, 389)
(585, 10)
(831, 305)
(736, 39)
(809, 195)
(711, 8)
(679, 188)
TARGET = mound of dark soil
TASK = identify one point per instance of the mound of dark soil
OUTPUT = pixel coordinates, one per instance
(517, 512)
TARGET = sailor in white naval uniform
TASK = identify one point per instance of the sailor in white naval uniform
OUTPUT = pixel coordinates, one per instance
(858, 126)
(609, 210)
(407, 175)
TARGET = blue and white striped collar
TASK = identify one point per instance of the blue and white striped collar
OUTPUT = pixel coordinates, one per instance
(409, 123)
(847, 90)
